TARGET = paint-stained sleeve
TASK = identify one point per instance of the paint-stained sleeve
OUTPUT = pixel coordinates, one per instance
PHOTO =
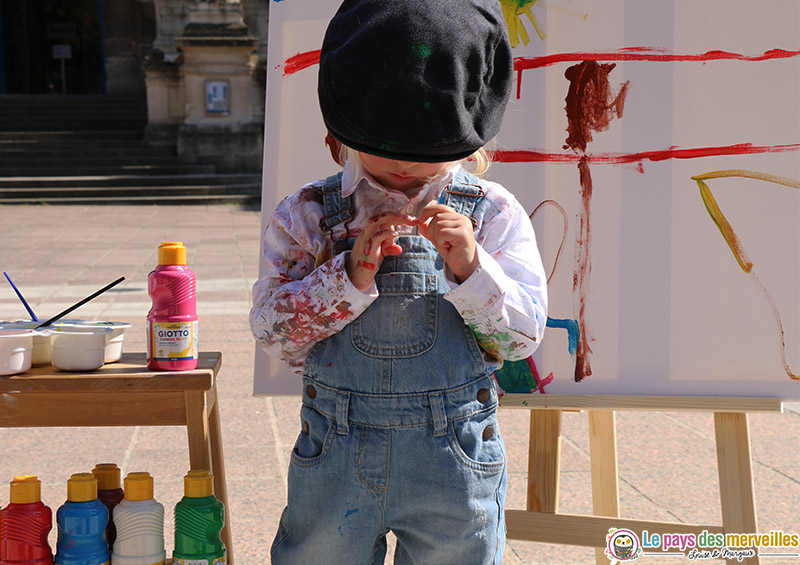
(504, 301)
(301, 298)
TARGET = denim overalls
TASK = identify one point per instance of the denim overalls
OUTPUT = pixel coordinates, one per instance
(399, 428)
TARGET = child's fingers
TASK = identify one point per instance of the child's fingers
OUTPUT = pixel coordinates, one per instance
(430, 210)
(445, 230)
(381, 243)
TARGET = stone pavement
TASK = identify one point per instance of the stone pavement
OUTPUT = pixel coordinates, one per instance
(59, 254)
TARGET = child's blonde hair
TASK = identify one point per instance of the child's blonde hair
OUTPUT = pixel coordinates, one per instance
(477, 163)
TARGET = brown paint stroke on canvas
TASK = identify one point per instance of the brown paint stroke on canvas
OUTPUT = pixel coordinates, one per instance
(591, 105)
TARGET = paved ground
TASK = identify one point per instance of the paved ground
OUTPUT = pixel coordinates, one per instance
(59, 254)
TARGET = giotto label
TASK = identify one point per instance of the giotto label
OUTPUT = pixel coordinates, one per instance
(173, 341)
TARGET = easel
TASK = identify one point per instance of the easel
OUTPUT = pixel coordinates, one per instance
(541, 521)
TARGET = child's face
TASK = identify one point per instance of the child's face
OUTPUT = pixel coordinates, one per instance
(402, 175)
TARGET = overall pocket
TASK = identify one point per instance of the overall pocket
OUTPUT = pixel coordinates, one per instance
(315, 438)
(476, 442)
(402, 320)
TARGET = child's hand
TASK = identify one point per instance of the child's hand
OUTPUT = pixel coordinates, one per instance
(372, 245)
(452, 234)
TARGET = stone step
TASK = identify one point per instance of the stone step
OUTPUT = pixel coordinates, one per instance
(100, 193)
(94, 160)
(71, 112)
(247, 200)
(67, 169)
(71, 149)
(77, 151)
(128, 181)
(43, 137)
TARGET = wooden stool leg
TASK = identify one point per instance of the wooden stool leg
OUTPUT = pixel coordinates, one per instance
(544, 458)
(218, 464)
(605, 481)
(735, 469)
(197, 430)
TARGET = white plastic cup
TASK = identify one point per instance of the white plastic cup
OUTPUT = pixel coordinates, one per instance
(115, 340)
(16, 346)
(78, 348)
(41, 340)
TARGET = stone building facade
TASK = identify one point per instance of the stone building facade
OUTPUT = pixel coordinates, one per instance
(199, 66)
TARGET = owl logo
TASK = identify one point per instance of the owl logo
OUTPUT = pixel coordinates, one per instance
(623, 545)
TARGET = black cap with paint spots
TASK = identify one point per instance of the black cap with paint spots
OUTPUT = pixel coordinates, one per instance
(415, 80)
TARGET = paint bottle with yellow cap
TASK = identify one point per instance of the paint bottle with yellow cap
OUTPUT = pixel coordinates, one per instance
(82, 521)
(25, 524)
(172, 320)
(199, 518)
(140, 524)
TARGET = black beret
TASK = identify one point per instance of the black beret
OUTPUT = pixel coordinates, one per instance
(415, 80)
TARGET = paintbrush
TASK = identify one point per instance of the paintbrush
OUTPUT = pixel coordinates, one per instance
(81, 303)
(22, 298)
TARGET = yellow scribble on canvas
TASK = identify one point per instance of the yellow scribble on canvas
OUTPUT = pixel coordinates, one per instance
(513, 10)
(735, 245)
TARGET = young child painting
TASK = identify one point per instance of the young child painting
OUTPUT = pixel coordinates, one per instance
(395, 287)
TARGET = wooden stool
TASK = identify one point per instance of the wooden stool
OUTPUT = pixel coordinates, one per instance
(126, 393)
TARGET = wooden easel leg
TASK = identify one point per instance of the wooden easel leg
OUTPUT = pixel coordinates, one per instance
(737, 496)
(544, 457)
(605, 481)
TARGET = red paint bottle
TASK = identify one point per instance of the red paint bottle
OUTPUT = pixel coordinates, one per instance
(172, 321)
(25, 524)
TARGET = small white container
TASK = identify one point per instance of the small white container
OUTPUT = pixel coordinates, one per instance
(79, 348)
(16, 345)
(41, 340)
(115, 340)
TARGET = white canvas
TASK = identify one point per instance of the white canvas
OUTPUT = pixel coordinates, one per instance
(707, 86)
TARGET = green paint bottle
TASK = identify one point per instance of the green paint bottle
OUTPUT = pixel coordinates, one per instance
(199, 518)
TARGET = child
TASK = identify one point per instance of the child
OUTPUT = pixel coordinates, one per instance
(396, 288)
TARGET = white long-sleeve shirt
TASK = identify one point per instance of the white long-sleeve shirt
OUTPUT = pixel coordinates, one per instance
(305, 295)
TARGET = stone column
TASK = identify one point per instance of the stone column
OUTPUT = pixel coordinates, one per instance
(163, 79)
(221, 125)
(171, 17)
(129, 28)
(166, 106)
(256, 17)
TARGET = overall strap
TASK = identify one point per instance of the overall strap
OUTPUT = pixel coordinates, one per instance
(337, 208)
(463, 194)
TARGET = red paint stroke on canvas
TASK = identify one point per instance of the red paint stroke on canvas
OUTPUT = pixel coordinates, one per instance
(590, 106)
(304, 60)
(642, 54)
(583, 270)
(611, 158)
(300, 61)
(590, 103)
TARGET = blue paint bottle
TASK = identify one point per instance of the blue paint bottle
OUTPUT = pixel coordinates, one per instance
(82, 521)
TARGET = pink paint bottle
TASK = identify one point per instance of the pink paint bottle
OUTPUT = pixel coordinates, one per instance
(172, 320)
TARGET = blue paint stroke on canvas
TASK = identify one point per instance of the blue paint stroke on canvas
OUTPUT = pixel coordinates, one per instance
(573, 331)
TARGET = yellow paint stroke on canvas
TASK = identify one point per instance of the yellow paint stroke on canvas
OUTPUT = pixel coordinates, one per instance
(733, 242)
(512, 12)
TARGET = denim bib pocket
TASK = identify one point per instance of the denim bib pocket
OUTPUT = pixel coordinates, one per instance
(402, 320)
(476, 443)
(315, 439)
